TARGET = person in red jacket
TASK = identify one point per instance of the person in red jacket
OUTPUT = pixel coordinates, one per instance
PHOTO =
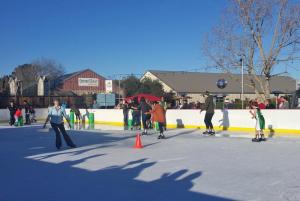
(158, 115)
(18, 114)
(261, 105)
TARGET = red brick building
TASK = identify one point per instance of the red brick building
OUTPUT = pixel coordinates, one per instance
(81, 82)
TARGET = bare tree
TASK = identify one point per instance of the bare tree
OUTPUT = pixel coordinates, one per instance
(29, 73)
(47, 67)
(264, 33)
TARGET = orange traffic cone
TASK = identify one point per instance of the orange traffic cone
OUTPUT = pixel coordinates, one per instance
(138, 142)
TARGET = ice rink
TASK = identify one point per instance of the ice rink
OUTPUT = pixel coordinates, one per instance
(186, 167)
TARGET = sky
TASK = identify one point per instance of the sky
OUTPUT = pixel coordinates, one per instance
(108, 36)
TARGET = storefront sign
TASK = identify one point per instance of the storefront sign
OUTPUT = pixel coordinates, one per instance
(88, 82)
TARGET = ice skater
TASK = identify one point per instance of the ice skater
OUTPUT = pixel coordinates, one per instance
(56, 116)
(259, 123)
(77, 113)
(12, 110)
(144, 107)
(125, 108)
(209, 107)
(27, 114)
(158, 115)
(32, 115)
(164, 105)
(18, 117)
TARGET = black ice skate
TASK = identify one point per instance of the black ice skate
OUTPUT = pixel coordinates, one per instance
(255, 140)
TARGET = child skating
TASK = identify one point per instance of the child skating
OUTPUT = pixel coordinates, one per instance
(18, 116)
(259, 124)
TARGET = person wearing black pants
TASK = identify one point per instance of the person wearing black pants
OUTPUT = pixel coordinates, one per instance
(56, 115)
(136, 114)
(60, 129)
(12, 110)
(209, 107)
(207, 120)
(125, 108)
(158, 115)
(145, 108)
(27, 114)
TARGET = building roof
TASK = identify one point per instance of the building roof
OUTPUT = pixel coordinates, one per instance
(199, 82)
(70, 75)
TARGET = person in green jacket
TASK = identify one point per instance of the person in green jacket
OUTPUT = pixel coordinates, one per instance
(259, 123)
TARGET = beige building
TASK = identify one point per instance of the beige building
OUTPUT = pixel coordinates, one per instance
(194, 84)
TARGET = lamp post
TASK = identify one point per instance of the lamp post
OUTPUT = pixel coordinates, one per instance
(242, 74)
(120, 77)
(49, 91)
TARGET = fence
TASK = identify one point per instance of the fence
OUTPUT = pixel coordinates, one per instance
(278, 122)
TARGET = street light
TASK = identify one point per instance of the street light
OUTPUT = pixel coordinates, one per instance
(121, 77)
(242, 95)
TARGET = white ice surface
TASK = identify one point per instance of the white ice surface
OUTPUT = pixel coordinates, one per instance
(185, 166)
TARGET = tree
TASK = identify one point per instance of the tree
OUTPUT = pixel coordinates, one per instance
(29, 73)
(150, 86)
(48, 67)
(4, 85)
(264, 33)
(132, 86)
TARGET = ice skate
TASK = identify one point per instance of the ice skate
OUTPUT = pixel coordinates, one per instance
(255, 140)
(211, 132)
(262, 139)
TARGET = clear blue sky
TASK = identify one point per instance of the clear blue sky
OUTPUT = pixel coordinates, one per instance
(108, 36)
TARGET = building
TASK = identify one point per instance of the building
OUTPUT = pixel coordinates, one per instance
(80, 82)
(193, 84)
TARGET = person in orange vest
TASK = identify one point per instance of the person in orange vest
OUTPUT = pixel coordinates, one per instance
(158, 115)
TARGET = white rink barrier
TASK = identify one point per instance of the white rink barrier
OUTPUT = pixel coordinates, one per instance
(278, 121)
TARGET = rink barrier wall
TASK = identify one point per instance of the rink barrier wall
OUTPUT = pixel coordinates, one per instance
(278, 122)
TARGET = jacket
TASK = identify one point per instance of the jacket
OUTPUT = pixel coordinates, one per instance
(12, 109)
(209, 105)
(18, 113)
(158, 113)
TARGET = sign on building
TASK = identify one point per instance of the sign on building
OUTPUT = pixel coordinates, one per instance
(108, 86)
(88, 82)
